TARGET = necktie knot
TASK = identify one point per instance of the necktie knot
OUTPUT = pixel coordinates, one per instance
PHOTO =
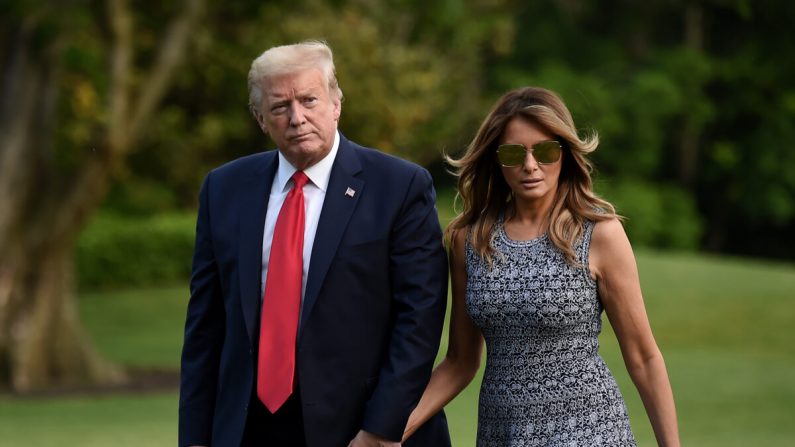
(299, 179)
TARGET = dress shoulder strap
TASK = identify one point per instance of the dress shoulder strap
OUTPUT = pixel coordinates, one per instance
(584, 244)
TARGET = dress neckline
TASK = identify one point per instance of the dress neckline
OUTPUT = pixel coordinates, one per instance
(518, 243)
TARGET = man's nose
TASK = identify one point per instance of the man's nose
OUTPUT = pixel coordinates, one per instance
(297, 116)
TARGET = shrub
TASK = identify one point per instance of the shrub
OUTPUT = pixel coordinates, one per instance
(124, 251)
(657, 215)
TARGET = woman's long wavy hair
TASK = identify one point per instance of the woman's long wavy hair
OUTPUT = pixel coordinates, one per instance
(485, 194)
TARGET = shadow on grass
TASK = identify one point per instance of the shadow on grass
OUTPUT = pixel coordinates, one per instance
(140, 381)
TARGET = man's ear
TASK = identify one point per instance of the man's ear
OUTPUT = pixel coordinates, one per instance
(260, 120)
(337, 109)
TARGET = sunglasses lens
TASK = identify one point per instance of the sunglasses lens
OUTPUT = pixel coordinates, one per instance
(546, 151)
(511, 154)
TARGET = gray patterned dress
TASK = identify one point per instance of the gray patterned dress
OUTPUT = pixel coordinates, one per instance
(545, 383)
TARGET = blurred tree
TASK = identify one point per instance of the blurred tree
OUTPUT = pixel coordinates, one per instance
(79, 85)
(109, 116)
(747, 184)
(412, 72)
(693, 101)
(693, 95)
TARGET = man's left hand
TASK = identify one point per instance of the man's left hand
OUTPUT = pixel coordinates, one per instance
(366, 439)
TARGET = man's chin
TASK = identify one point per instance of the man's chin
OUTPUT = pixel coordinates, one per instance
(305, 154)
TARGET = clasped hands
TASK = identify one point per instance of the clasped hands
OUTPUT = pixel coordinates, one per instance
(366, 439)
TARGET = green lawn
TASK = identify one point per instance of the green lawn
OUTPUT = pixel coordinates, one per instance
(724, 325)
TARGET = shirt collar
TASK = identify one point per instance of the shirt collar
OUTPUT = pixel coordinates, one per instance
(318, 173)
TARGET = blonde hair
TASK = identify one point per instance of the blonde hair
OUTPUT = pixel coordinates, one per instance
(287, 59)
(485, 194)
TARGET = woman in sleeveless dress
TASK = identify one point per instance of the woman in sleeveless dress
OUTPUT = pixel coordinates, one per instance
(535, 257)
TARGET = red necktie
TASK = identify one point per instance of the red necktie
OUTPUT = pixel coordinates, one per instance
(282, 301)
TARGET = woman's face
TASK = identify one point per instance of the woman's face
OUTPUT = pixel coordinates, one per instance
(530, 181)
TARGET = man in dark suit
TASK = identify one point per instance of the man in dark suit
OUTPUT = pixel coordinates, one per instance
(319, 280)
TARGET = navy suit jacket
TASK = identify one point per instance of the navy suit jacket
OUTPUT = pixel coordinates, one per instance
(372, 313)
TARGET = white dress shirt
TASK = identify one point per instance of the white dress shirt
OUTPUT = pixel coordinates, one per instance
(314, 195)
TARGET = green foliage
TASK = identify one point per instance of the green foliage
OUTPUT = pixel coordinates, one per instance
(692, 95)
(656, 215)
(141, 197)
(411, 73)
(123, 251)
(687, 94)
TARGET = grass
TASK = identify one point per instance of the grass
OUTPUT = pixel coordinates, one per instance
(140, 328)
(725, 328)
(116, 420)
(724, 325)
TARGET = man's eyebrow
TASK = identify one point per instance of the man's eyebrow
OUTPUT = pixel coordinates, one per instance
(283, 99)
(279, 100)
(308, 92)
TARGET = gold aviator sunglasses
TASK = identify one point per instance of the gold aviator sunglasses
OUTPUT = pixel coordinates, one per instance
(545, 152)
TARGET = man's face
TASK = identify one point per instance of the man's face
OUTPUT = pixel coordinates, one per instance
(300, 115)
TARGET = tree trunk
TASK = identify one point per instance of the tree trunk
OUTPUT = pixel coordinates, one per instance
(691, 131)
(46, 345)
(44, 205)
(41, 340)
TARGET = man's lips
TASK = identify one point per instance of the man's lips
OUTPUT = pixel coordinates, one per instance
(300, 137)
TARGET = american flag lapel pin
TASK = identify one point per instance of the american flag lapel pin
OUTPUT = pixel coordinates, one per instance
(350, 192)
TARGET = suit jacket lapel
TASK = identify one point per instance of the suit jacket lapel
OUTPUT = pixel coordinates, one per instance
(337, 209)
(255, 192)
